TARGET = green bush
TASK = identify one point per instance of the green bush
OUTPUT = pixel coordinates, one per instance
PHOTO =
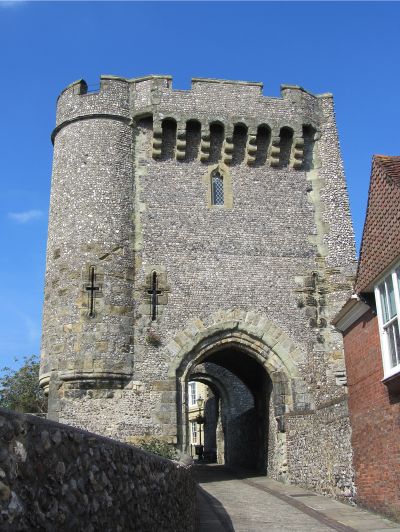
(19, 389)
(159, 447)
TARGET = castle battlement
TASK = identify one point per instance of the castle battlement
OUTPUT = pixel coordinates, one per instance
(244, 108)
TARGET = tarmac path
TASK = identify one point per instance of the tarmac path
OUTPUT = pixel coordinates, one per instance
(236, 499)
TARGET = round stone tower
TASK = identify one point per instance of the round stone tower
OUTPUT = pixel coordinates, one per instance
(89, 284)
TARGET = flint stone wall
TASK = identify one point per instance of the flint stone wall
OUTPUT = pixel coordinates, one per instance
(57, 478)
(242, 438)
(211, 425)
(319, 452)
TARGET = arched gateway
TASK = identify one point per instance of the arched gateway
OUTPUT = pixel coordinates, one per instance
(259, 354)
(217, 202)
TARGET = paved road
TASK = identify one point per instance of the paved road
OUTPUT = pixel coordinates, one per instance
(233, 499)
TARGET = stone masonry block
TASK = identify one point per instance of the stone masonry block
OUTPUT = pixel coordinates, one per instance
(169, 397)
(165, 385)
(58, 348)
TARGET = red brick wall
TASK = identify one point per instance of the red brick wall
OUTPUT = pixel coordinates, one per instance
(374, 418)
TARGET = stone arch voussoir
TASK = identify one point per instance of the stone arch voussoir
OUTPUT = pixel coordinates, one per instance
(248, 331)
(234, 326)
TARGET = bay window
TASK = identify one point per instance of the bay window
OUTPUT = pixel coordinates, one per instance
(387, 294)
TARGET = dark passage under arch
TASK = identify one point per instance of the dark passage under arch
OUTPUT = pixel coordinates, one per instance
(243, 434)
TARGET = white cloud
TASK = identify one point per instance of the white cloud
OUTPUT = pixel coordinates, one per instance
(33, 329)
(11, 3)
(23, 217)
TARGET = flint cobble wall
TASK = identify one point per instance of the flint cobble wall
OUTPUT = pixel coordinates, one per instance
(210, 427)
(319, 451)
(57, 478)
(242, 438)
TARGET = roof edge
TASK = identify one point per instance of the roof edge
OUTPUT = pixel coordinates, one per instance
(353, 309)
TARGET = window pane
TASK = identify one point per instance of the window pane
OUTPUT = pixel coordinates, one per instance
(394, 343)
(218, 190)
(193, 427)
(392, 302)
(398, 279)
(397, 340)
(382, 292)
(192, 394)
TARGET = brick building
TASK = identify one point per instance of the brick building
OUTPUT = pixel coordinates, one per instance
(219, 218)
(370, 325)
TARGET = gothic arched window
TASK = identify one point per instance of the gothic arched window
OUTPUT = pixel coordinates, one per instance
(218, 190)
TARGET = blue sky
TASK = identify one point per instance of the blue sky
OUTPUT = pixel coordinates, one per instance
(350, 49)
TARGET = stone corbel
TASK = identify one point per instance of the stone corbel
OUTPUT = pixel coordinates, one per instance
(251, 147)
(180, 151)
(274, 151)
(157, 141)
(296, 155)
(227, 148)
(205, 143)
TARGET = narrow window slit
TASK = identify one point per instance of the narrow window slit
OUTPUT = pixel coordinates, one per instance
(308, 135)
(263, 140)
(193, 132)
(168, 139)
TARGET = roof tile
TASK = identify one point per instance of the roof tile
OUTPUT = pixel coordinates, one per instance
(380, 243)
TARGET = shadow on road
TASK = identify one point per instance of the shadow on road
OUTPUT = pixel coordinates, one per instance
(219, 473)
(218, 509)
(211, 473)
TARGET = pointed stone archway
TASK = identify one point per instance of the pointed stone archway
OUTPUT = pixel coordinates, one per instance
(253, 342)
(226, 405)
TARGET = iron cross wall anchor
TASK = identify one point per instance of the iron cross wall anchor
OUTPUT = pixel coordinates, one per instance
(155, 294)
(91, 288)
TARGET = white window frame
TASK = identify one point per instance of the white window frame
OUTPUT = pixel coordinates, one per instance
(192, 403)
(193, 432)
(384, 337)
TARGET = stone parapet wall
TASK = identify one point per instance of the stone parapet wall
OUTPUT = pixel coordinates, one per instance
(240, 101)
(57, 478)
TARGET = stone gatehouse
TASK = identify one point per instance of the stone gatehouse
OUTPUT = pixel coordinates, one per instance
(216, 219)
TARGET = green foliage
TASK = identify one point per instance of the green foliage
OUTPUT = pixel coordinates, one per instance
(152, 337)
(300, 304)
(19, 389)
(159, 447)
